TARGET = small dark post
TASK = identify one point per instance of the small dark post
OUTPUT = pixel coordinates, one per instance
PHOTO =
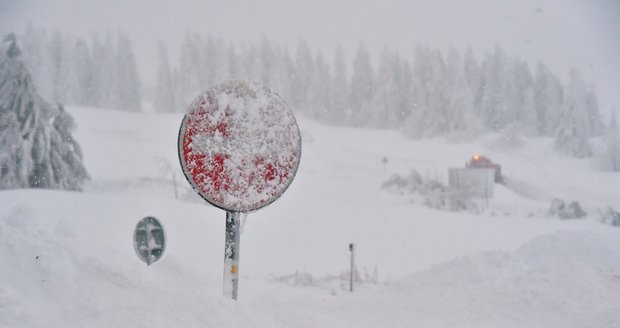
(352, 276)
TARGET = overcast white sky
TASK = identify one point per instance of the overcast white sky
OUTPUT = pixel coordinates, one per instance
(563, 33)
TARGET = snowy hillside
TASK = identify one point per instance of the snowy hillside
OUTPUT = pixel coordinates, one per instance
(67, 260)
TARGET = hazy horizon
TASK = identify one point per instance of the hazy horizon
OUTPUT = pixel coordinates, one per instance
(563, 34)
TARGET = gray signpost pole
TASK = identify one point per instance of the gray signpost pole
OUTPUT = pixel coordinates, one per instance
(231, 254)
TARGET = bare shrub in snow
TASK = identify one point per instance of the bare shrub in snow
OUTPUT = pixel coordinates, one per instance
(611, 217)
(330, 281)
(433, 193)
(409, 184)
(560, 209)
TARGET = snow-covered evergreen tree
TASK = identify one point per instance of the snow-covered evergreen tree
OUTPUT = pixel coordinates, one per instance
(338, 111)
(499, 92)
(321, 90)
(34, 45)
(471, 97)
(460, 98)
(127, 86)
(105, 79)
(59, 68)
(303, 77)
(164, 94)
(362, 89)
(430, 115)
(187, 79)
(548, 99)
(232, 64)
(267, 62)
(37, 150)
(385, 103)
(574, 128)
(248, 60)
(473, 76)
(525, 115)
(211, 62)
(285, 71)
(596, 124)
(97, 71)
(609, 156)
(82, 87)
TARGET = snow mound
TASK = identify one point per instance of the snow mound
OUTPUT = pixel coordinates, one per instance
(30, 261)
(565, 279)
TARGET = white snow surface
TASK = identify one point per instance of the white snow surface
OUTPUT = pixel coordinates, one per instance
(67, 260)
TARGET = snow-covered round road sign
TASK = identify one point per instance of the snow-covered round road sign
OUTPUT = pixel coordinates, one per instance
(239, 146)
(148, 240)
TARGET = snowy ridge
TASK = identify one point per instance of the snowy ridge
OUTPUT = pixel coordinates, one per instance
(569, 279)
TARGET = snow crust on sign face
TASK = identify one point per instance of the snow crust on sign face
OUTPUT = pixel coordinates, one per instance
(240, 145)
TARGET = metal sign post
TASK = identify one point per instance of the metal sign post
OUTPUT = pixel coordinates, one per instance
(239, 148)
(231, 253)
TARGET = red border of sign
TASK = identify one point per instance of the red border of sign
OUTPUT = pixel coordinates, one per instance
(200, 192)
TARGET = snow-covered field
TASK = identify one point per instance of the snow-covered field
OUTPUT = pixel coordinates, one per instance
(67, 260)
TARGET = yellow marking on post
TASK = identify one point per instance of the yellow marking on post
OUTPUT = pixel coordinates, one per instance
(234, 269)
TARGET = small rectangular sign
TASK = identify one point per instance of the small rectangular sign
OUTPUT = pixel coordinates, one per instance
(478, 182)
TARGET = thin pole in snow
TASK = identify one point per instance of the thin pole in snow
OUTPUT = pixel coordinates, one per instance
(352, 276)
(231, 254)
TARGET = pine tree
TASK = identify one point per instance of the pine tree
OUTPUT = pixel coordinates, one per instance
(232, 64)
(609, 157)
(105, 77)
(460, 98)
(185, 79)
(496, 91)
(36, 57)
(303, 77)
(127, 86)
(574, 129)
(596, 124)
(404, 95)
(321, 90)
(548, 100)
(385, 102)
(524, 115)
(362, 89)
(37, 148)
(473, 76)
(339, 109)
(267, 62)
(249, 65)
(430, 116)
(59, 68)
(285, 73)
(211, 63)
(471, 96)
(164, 95)
(82, 87)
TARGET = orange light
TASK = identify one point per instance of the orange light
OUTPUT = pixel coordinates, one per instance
(476, 157)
